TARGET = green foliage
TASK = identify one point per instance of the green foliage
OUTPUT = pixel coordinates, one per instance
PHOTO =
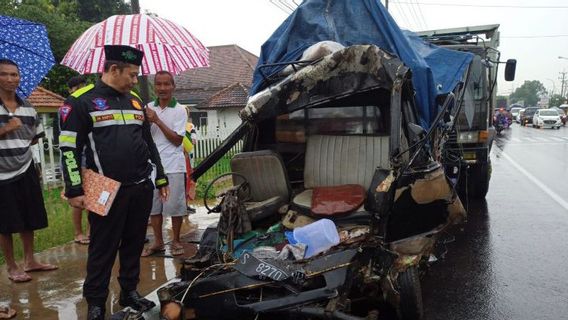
(200, 190)
(528, 93)
(557, 100)
(96, 11)
(62, 31)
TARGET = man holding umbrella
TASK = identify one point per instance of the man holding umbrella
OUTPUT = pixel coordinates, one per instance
(108, 120)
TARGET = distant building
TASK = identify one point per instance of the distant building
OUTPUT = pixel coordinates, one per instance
(215, 94)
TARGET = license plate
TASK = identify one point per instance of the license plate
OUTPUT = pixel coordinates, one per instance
(469, 156)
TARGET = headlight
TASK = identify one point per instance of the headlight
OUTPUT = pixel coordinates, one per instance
(468, 137)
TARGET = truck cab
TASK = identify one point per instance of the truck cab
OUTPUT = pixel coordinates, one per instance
(466, 153)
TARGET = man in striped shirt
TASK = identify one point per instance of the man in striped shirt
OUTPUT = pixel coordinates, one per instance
(21, 202)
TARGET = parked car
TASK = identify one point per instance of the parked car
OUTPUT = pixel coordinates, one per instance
(515, 113)
(546, 118)
(527, 117)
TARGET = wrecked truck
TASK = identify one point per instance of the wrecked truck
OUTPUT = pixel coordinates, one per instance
(339, 140)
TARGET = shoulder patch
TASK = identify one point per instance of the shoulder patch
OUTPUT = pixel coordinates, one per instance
(82, 91)
(64, 112)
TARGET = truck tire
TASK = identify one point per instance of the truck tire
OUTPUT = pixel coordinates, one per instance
(410, 290)
(478, 180)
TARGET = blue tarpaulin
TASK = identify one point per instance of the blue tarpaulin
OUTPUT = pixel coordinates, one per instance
(435, 70)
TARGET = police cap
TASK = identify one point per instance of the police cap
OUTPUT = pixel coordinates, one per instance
(126, 54)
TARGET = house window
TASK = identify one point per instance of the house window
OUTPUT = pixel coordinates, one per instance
(198, 118)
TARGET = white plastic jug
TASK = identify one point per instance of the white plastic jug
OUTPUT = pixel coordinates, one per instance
(318, 236)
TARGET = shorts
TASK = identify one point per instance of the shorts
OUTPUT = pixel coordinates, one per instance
(176, 204)
(21, 204)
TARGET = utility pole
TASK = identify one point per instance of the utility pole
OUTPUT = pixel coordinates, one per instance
(144, 91)
(563, 81)
(387, 4)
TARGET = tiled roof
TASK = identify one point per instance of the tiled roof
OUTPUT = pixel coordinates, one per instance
(234, 95)
(43, 98)
(229, 64)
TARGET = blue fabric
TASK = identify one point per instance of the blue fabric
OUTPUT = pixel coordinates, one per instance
(434, 70)
(26, 43)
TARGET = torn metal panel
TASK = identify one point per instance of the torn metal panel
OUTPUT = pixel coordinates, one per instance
(352, 70)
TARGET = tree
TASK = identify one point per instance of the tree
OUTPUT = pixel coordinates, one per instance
(62, 31)
(528, 92)
(556, 100)
(65, 21)
(96, 11)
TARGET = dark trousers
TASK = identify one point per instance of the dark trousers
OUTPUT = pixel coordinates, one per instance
(123, 230)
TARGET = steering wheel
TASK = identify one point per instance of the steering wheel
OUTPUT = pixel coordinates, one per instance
(243, 186)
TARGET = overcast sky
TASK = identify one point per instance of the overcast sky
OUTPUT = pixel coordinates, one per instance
(533, 32)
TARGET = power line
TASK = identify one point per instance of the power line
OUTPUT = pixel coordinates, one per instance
(483, 5)
(421, 15)
(535, 36)
(415, 15)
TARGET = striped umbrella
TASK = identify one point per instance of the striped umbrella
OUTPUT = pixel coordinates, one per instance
(166, 45)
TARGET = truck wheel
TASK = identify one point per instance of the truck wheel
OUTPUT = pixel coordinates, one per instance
(478, 180)
(410, 307)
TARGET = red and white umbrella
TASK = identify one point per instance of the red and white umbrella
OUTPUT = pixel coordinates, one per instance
(166, 45)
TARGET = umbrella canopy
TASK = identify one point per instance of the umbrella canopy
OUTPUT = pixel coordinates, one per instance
(166, 45)
(26, 44)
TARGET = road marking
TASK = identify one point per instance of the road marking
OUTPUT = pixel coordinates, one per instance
(541, 185)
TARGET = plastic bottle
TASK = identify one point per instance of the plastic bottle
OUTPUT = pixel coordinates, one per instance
(318, 236)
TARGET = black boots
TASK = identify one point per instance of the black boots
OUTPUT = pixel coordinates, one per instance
(134, 300)
(96, 312)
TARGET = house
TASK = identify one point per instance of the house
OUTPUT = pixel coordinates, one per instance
(216, 94)
(45, 154)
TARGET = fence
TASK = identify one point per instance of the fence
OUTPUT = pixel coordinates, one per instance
(47, 156)
(207, 141)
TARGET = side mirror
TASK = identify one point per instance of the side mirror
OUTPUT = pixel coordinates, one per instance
(510, 68)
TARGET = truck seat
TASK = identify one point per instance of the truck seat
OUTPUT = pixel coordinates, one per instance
(340, 160)
(268, 181)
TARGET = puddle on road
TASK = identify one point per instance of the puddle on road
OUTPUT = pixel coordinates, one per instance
(57, 295)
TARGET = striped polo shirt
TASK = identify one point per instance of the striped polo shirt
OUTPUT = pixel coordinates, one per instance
(15, 152)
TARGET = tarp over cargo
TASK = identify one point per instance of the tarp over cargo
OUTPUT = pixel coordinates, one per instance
(435, 70)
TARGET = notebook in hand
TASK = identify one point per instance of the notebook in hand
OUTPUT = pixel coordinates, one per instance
(100, 192)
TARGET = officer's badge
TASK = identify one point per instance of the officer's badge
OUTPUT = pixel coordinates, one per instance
(64, 112)
(100, 104)
(136, 104)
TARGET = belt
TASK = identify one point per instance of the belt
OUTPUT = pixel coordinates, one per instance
(130, 184)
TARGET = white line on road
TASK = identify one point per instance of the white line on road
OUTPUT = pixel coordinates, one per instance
(541, 185)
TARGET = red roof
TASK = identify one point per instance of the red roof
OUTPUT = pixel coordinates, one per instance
(229, 64)
(43, 98)
(235, 95)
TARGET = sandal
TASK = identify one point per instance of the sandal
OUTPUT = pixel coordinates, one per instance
(177, 250)
(152, 251)
(7, 313)
(41, 267)
(19, 278)
(84, 241)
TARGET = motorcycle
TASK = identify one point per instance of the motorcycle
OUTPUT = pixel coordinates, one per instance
(501, 123)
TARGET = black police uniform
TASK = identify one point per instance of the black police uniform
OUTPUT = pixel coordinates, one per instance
(111, 129)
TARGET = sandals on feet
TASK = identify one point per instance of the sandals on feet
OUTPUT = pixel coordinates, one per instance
(177, 250)
(19, 278)
(84, 241)
(7, 313)
(152, 251)
(41, 267)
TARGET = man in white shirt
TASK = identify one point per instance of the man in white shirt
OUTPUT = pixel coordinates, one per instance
(168, 120)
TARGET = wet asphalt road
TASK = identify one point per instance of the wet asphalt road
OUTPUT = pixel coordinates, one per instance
(510, 260)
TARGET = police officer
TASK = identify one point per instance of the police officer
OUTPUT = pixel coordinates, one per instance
(107, 121)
